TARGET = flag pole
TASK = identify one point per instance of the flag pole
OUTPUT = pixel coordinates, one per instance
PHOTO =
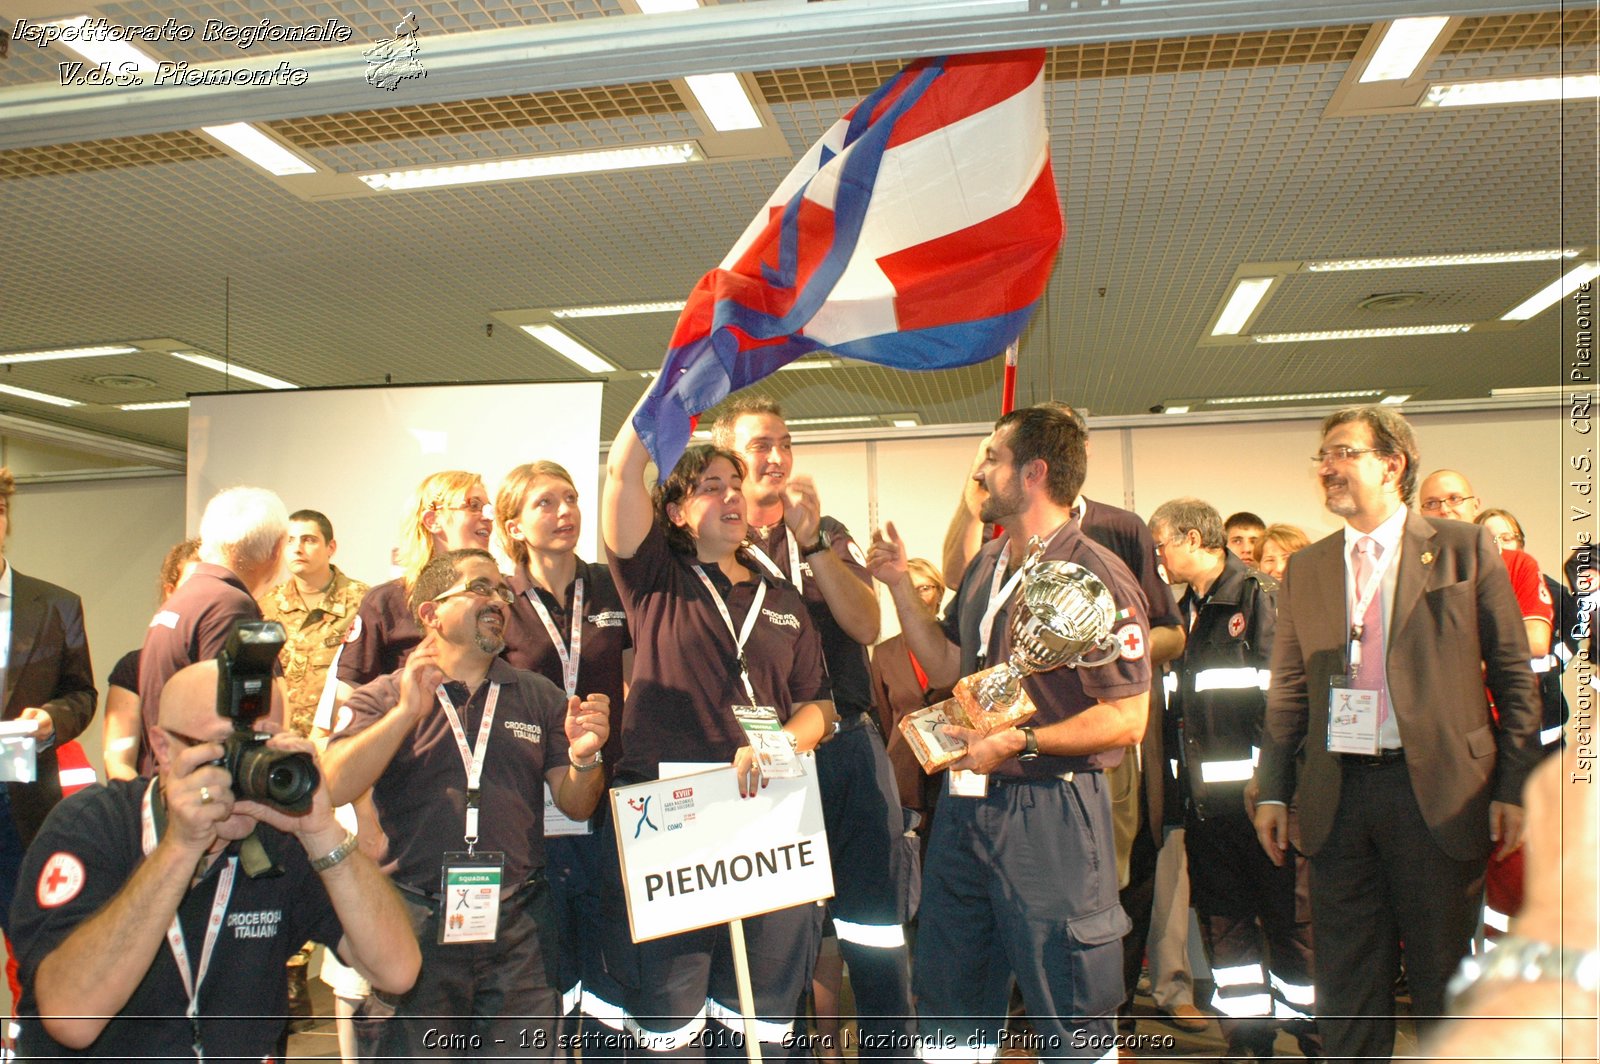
(1008, 388)
(747, 998)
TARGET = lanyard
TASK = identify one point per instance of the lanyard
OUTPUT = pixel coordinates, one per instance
(1374, 582)
(793, 575)
(1001, 589)
(742, 635)
(916, 667)
(175, 942)
(472, 760)
(569, 658)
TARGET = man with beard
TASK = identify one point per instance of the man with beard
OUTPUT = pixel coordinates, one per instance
(1378, 725)
(872, 860)
(419, 738)
(1021, 878)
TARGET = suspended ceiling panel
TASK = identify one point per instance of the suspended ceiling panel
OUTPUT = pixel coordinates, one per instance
(1177, 159)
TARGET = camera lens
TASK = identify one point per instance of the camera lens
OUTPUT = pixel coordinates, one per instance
(276, 777)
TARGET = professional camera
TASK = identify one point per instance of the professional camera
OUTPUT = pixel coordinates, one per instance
(278, 778)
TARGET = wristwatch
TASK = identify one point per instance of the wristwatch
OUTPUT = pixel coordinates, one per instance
(1030, 745)
(1515, 959)
(592, 765)
(337, 854)
(822, 543)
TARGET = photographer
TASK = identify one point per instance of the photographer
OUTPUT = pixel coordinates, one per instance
(141, 928)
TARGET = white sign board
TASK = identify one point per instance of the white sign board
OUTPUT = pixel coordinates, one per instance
(695, 854)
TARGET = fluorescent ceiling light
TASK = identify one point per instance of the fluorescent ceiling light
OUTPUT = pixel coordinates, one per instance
(172, 404)
(1558, 289)
(67, 352)
(38, 397)
(612, 310)
(233, 369)
(565, 346)
(1394, 400)
(1404, 45)
(1513, 90)
(1179, 409)
(1247, 295)
(116, 53)
(657, 7)
(583, 162)
(809, 363)
(904, 421)
(1361, 334)
(723, 99)
(260, 149)
(1291, 397)
(1474, 258)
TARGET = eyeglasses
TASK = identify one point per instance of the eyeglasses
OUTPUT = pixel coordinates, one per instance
(1509, 539)
(1341, 453)
(471, 506)
(483, 587)
(923, 589)
(1433, 506)
(1164, 544)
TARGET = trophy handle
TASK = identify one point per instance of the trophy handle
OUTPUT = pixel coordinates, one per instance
(1110, 655)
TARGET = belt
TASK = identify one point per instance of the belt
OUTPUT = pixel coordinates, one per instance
(852, 722)
(1011, 781)
(432, 897)
(1386, 757)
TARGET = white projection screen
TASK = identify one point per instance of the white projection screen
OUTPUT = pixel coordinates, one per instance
(357, 454)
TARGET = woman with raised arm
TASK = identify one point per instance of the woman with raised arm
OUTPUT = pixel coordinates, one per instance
(716, 642)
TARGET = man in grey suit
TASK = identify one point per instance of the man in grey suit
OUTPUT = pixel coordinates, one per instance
(47, 681)
(1397, 622)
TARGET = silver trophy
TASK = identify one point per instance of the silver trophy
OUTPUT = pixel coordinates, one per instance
(1062, 617)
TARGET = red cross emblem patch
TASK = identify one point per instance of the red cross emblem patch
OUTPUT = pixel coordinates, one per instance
(1130, 643)
(1236, 625)
(355, 631)
(60, 880)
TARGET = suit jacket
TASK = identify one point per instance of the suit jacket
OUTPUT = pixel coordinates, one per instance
(49, 668)
(1455, 623)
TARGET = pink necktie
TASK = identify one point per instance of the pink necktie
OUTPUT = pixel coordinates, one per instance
(1370, 673)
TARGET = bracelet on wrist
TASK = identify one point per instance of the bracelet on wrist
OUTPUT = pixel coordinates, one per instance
(594, 763)
(337, 854)
(1516, 960)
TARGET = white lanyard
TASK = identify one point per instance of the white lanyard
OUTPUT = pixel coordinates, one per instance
(569, 658)
(742, 635)
(998, 594)
(1374, 583)
(180, 952)
(472, 760)
(793, 575)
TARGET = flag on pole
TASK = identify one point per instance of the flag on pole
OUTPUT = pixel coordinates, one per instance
(918, 233)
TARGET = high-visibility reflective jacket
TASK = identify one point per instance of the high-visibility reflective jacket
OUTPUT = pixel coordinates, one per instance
(1218, 688)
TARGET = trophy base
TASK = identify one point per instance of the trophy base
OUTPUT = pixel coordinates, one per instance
(933, 749)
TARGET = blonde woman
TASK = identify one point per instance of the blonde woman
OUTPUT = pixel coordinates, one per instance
(450, 511)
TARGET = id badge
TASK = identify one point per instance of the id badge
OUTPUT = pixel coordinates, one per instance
(556, 822)
(964, 783)
(771, 745)
(1353, 719)
(470, 887)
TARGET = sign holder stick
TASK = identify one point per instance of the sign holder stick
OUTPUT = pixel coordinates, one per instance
(747, 1003)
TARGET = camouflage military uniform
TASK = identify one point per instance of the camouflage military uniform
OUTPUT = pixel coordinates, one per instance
(314, 638)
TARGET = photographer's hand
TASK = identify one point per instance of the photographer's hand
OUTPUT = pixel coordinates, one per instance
(198, 798)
